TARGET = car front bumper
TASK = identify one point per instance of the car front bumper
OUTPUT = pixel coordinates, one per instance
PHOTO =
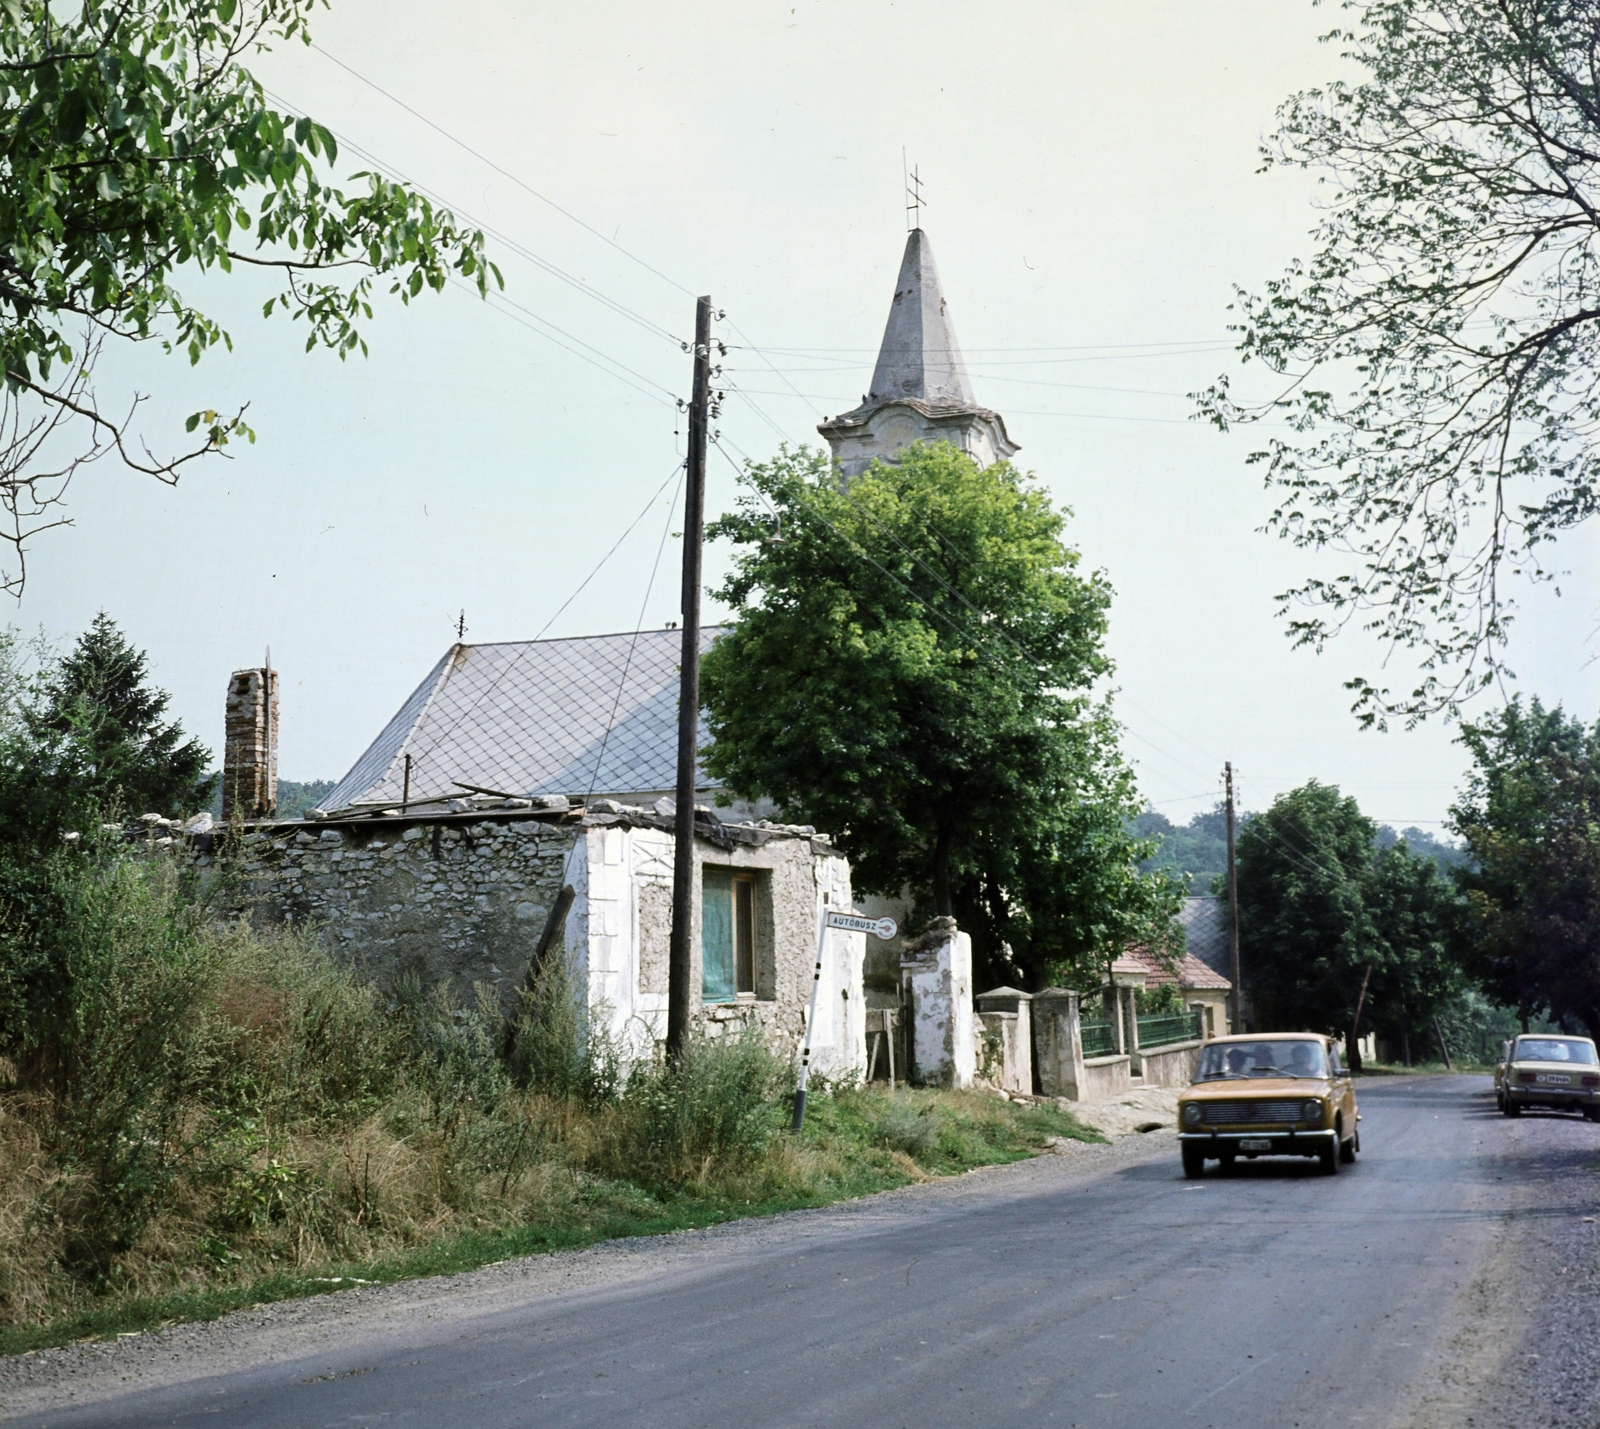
(1281, 1143)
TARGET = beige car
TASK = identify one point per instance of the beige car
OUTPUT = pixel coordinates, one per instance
(1270, 1094)
(1548, 1069)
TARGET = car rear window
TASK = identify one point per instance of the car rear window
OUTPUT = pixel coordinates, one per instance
(1554, 1049)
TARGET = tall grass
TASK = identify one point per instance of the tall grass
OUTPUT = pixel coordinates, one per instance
(186, 1107)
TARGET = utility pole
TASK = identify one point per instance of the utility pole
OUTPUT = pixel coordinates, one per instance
(694, 511)
(1233, 911)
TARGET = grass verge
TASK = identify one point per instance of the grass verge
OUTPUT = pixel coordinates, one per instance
(856, 1142)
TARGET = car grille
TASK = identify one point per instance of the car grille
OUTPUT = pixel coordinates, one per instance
(1245, 1113)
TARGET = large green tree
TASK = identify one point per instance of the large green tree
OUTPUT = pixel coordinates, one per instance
(135, 146)
(912, 668)
(108, 725)
(1324, 912)
(1434, 366)
(84, 734)
(1530, 816)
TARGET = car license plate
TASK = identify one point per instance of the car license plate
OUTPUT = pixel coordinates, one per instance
(1255, 1143)
(1557, 1081)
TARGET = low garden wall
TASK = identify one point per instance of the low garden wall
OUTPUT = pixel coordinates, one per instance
(1105, 1077)
(1171, 1066)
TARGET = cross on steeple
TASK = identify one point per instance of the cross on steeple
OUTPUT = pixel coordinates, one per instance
(915, 202)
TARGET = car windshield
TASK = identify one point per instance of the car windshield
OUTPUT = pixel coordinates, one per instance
(1223, 1060)
(1554, 1049)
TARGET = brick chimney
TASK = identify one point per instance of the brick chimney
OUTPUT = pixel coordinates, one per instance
(250, 745)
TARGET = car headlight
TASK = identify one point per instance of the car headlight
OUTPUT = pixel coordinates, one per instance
(1312, 1111)
(1191, 1113)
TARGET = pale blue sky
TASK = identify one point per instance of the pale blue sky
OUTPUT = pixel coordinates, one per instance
(1092, 193)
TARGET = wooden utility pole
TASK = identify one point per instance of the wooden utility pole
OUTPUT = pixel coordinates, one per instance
(694, 511)
(1233, 912)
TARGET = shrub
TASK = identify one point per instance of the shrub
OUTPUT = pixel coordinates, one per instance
(715, 1109)
(560, 1048)
(902, 1126)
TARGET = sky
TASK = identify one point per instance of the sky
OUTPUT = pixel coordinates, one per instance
(1093, 197)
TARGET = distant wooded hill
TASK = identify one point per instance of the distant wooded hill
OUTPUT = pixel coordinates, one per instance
(1199, 848)
(294, 799)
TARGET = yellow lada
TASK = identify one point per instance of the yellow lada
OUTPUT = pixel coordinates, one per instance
(1269, 1094)
(1550, 1070)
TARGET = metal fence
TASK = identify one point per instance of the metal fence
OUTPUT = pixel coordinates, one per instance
(1099, 1040)
(1167, 1028)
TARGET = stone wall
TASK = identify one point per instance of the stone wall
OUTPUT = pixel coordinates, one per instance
(462, 898)
(450, 901)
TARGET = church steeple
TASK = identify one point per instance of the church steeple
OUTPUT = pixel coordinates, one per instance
(920, 390)
(920, 356)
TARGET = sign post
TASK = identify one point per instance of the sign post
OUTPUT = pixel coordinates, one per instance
(884, 928)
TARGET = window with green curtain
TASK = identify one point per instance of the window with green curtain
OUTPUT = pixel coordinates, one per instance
(716, 936)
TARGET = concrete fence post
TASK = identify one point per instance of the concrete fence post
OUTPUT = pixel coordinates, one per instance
(936, 973)
(1019, 1049)
(1058, 1043)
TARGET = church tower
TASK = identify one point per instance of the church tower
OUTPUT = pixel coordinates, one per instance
(920, 391)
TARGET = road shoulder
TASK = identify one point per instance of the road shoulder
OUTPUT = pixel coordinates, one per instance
(95, 1371)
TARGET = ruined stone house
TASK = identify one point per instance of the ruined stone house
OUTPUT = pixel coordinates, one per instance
(516, 770)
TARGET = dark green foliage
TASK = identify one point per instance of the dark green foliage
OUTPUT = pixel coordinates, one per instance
(912, 670)
(1433, 364)
(1197, 850)
(103, 725)
(1530, 817)
(1319, 908)
(720, 1102)
(1424, 845)
(1476, 1029)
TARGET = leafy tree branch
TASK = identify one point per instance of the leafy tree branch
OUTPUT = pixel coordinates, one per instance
(135, 144)
(1438, 350)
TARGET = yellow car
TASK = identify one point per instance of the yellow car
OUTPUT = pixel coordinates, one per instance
(1551, 1070)
(1270, 1094)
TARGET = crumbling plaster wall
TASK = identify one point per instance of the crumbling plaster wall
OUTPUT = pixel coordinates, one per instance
(454, 904)
(619, 928)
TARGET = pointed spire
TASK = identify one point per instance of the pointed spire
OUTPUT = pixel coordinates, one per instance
(920, 356)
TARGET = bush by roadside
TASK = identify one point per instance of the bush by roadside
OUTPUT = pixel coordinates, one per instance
(194, 1118)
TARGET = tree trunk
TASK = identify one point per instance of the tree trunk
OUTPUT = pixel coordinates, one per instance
(943, 895)
(998, 913)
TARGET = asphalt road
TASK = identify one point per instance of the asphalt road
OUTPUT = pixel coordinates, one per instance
(1101, 1292)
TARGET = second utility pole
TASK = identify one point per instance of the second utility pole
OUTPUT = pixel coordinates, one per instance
(694, 513)
(1233, 913)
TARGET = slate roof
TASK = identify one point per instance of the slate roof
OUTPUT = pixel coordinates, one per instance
(1205, 927)
(594, 713)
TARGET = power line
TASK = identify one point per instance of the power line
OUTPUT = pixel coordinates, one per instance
(512, 664)
(638, 625)
(505, 173)
(620, 309)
